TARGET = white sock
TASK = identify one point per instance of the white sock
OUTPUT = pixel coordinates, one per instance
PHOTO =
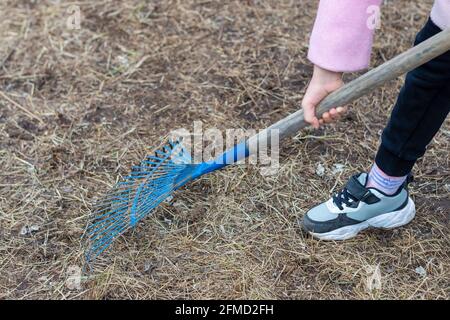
(381, 181)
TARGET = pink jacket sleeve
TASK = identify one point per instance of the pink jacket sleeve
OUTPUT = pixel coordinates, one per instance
(342, 36)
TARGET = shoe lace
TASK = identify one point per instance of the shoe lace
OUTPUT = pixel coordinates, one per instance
(343, 197)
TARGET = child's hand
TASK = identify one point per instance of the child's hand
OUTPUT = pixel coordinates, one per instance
(323, 82)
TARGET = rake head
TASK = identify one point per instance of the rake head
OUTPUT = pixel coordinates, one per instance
(133, 198)
(149, 184)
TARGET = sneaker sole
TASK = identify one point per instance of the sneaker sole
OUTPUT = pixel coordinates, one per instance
(388, 220)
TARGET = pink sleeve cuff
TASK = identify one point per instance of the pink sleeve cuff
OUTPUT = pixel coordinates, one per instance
(440, 14)
(342, 36)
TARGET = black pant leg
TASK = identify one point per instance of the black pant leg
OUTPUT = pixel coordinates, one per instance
(421, 108)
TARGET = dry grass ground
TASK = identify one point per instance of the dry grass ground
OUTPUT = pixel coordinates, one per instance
(79, 107)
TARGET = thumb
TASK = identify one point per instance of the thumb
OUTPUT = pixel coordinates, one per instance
(309, 112)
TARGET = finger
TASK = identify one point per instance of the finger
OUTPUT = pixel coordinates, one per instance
(334, 114)
(326, 117)
(342, 110)
(316, 123)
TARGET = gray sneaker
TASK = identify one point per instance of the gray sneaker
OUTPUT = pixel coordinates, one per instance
(356, 208)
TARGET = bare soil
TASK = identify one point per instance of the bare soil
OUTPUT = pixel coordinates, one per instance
(79, 107)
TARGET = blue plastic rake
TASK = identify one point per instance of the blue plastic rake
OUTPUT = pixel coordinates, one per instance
(156, 178)
(149, 184)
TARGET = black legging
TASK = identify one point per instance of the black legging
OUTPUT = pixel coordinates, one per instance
(421, 108)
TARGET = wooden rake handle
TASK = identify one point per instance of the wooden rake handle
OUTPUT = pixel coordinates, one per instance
(403, 63)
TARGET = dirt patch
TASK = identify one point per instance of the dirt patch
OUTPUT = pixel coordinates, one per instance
(91, 102)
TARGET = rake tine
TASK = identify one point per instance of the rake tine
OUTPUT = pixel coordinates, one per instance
(133, 198)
